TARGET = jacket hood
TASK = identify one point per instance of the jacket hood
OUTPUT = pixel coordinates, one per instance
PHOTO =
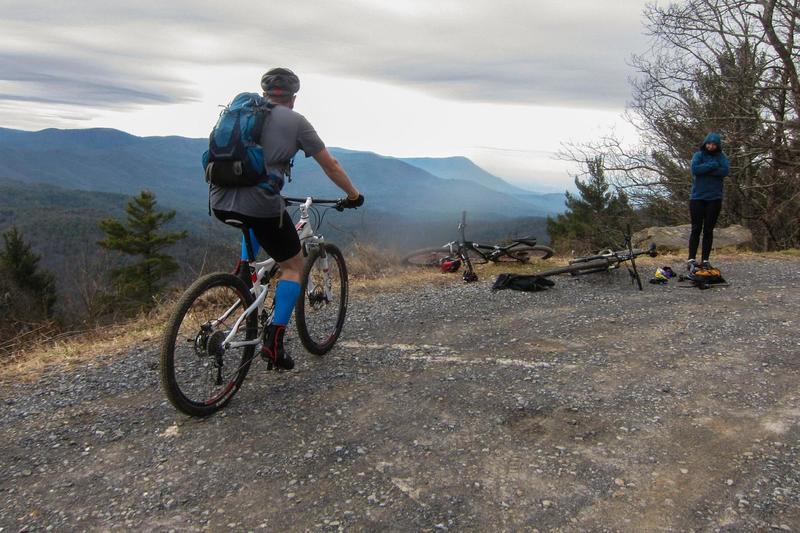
(713, 137)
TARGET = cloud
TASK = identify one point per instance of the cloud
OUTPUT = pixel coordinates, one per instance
(115, 55)
(66, 80)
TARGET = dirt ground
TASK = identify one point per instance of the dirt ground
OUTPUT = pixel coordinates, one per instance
(447, 407)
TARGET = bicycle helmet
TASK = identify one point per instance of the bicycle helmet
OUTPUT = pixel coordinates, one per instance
(280, 82)
(449, 264)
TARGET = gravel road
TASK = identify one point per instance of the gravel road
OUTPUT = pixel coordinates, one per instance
(588, 407)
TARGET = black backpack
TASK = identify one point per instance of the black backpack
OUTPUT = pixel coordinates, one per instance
(520, 282)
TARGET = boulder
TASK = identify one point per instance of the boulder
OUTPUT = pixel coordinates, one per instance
(677, 237)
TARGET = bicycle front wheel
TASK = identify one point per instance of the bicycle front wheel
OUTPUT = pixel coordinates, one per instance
(426, 257)
(322, 305)
(526, 253)
(199, 374)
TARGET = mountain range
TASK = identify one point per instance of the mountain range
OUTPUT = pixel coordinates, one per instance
(108, 160)
(56, 185)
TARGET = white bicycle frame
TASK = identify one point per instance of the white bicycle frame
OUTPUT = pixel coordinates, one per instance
(308, 240)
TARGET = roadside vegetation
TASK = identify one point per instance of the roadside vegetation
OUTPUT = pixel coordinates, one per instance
(28, 297)
(596, 218)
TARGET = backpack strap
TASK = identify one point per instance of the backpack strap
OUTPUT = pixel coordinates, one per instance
(289, 169)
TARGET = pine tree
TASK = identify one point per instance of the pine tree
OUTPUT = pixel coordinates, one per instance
(596, 219)
(139, 282)
(22, 265)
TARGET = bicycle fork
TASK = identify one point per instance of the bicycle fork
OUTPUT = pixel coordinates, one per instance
(323, 260)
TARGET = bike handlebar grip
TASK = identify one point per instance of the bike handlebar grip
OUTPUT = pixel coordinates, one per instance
(347, 203)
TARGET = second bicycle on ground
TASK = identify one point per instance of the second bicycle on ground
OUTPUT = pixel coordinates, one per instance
(521, 249)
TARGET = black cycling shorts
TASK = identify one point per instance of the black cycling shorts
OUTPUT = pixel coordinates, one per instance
(279, 240)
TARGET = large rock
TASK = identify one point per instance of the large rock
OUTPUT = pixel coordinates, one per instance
(677, 237)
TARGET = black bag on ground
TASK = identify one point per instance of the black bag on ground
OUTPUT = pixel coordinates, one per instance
(520, 282)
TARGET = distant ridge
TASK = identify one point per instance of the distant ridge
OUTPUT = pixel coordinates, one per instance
(459, 167)
(109, 160)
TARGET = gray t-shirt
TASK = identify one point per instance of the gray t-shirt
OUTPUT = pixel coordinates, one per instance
(285, 132)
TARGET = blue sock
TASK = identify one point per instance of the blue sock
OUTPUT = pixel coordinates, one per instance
(286, 294)
(254, 242)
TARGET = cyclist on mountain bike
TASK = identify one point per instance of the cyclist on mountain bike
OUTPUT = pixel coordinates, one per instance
(285, 132)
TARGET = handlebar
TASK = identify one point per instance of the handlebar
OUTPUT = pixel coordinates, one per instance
(340, 204)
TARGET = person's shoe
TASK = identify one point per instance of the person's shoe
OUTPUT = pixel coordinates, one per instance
(705, 265)
(272, 350)
(691, 266)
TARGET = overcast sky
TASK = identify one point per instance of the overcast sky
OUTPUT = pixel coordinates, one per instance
(502, 82)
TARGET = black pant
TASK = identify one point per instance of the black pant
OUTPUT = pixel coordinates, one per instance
(275, 234)
(703, 214)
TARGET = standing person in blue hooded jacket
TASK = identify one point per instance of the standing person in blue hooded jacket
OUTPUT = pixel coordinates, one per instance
(709, 168)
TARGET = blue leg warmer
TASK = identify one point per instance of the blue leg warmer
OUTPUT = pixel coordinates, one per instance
(254, 242)
(286, 294)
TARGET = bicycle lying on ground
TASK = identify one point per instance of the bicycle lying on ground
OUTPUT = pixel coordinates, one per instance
(604, 261)
(522, 250)
(216, 326)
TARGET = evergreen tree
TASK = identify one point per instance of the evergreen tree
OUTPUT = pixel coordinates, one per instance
(140, 281)
(22, 265)
(596, 219)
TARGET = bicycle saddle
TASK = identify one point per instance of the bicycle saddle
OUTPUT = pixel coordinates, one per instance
(248, 242)
(236, 223)
(526, 240)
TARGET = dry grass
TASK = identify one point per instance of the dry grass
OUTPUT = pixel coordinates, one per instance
(791, 252)
(25, 334)
(100, 341)
(374, 270)
(365, 262)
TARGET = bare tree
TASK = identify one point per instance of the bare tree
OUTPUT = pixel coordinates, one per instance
(715, 65)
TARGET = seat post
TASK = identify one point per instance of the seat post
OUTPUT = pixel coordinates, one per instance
(248, 242)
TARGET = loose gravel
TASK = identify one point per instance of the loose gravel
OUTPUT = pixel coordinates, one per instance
(590, 406)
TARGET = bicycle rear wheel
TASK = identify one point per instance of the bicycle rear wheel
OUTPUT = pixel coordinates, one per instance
(322, 305)
(198, 374)
(426, 257)
(526, 252)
